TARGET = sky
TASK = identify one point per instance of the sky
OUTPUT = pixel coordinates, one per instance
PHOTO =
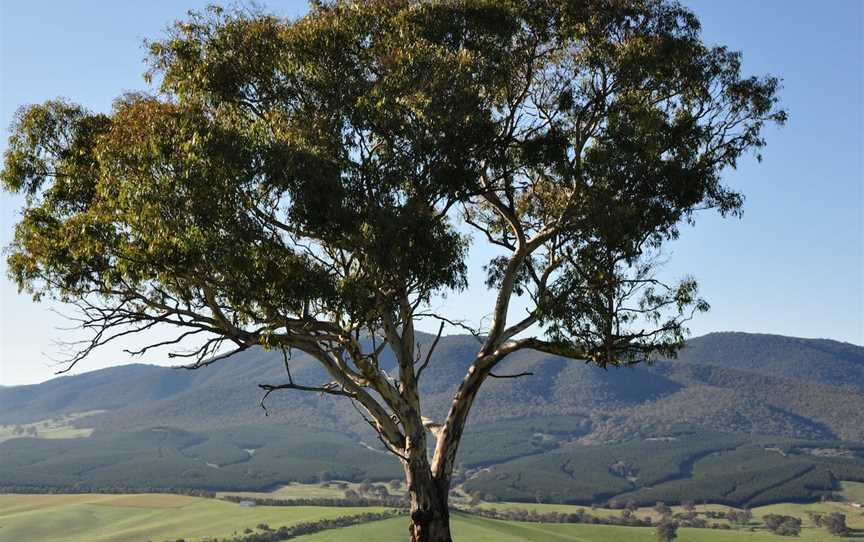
(792, 265)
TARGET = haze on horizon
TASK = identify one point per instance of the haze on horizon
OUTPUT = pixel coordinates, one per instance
(794, 265)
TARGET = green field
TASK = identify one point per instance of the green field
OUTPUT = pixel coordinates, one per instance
(308, 491)
(854, 516)
(474, 529)
(853, 491)
(159, 517)
(53, 428)
(137, 518)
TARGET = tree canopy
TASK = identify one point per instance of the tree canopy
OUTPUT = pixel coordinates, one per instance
(313, 184)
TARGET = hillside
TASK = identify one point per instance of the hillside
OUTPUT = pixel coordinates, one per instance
(760, 384)
(205, 428)
(812, 360)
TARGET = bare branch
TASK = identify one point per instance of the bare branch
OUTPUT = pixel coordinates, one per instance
(198, 364)
(455, 323)
(389, 448)
(431, 350)
(331, 388)
(518, 375)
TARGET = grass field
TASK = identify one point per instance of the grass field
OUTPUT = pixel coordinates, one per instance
(854, 516)
(53, 428)
(599, 512)
(853, 491)
(137, 518)
(308, 491)
(474, 529)
(159, 517)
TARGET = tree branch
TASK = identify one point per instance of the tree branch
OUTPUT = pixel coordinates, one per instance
(518, 375)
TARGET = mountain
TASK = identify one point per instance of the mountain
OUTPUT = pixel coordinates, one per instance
(759, 384)
(782, 413)
(812, 360)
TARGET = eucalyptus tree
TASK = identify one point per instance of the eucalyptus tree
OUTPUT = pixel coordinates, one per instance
(315, 184)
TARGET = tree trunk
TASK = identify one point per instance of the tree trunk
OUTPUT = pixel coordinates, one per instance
(430, 515)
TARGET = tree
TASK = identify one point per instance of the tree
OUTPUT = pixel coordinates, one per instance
(666, 530)
(782, 525)
(663, 509)
(815, 518)
(314, 185)
(835, 522)
(741, 517)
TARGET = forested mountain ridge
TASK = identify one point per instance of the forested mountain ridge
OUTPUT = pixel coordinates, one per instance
(736, 382)
(737, 418)
(814, 360)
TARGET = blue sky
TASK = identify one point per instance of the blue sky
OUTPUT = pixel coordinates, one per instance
(793, 265)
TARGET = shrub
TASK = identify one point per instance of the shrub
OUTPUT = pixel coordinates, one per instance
(782, 525)
(666, 531)
(836, 524)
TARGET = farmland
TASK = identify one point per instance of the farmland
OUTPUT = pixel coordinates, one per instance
(54, 428)
(157, 517)
(721, 424)
(472, 529)
(135, 518)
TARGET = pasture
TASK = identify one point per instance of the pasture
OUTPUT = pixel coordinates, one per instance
(321, 490)
(854, 516)
(159, 517)
(474, 529)
(141, 517)
(54, 428)
(853, 491)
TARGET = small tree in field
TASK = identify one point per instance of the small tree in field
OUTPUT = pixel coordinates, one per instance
(740, 517)
(663, 509)
(782, 525)
(313, 185)
(835, 522)
(666, 530)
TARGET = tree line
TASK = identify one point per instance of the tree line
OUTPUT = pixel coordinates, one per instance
(265, 533)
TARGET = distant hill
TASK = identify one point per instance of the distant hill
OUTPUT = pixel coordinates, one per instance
(812, 360)
(759, 384)
(783, 413)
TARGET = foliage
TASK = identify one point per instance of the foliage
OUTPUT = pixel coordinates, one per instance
(751, 472)
(349, 129)
(782, 525)
(700, 466)
(835, 522)
(266, 534)
(295, 184)
(740, 517)
(167, 458)
(667, 531)
(576, 516)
